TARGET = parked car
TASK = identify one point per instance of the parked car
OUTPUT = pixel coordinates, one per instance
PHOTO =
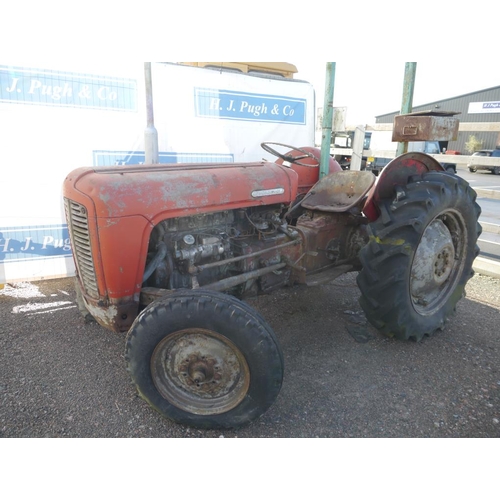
(474, 167)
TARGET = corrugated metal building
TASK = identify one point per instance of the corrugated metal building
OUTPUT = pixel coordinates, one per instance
(481, 106)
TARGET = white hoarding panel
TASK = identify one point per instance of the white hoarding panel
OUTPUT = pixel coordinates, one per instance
(53, 120)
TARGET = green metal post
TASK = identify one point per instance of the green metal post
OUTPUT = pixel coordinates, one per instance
(407, 103)
(326, 137)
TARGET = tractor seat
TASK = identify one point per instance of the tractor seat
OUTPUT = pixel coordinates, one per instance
(339, 191)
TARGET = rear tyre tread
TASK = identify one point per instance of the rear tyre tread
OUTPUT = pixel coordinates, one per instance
(387, 258)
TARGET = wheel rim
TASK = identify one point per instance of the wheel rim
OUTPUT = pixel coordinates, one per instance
(200, 371)
(438, 262)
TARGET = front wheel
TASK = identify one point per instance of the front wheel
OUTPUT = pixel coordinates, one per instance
(419, 256)
(496, 170)
(204, 359)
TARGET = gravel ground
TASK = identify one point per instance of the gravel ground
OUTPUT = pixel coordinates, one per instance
(61, 377)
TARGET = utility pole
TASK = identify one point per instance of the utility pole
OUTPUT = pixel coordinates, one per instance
(326, 137)
(407, 102)
(150, 134)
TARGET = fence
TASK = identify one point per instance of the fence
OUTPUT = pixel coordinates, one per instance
(357, 151)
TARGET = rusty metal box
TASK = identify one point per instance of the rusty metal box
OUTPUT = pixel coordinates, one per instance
(425, 126)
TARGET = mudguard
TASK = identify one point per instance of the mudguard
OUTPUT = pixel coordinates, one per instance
(396, 173)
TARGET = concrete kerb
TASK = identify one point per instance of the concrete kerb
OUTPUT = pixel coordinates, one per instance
(488, 227)
(488, 193)
(484, 266)
(487, 267)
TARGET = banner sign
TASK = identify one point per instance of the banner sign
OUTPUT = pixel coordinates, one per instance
(57, 88)
(484, 107)
(95, 115)
(34, 243)
(231, 105)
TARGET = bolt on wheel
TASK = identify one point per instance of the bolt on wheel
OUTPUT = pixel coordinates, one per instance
(419, 256)
(200, 371)
(437, 263)
(205, 359)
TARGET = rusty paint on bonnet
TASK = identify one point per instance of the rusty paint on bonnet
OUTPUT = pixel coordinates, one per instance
(157, 193)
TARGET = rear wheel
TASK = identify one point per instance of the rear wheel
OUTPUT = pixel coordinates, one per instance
(419, 256)
(204, 359)
(472, 169)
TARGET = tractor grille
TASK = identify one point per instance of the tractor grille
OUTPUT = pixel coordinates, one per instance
(76, 215)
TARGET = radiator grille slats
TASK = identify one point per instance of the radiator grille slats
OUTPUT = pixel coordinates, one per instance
(76, 215)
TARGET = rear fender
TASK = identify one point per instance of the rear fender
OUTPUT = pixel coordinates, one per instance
(397, 173)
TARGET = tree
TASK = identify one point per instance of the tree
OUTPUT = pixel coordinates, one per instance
(473, 144)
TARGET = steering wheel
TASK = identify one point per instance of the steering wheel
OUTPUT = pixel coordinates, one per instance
(292, 159)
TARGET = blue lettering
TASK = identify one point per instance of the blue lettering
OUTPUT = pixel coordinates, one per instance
(34, 243)
(27, 86)
(231, 105)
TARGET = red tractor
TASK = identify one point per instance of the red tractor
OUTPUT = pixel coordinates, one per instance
(166, 252)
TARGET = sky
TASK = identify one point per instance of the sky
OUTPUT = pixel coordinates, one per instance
(376, 87)
(455, 47)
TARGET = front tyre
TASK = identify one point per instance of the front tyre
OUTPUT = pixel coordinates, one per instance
(204, 359)
(419, 255)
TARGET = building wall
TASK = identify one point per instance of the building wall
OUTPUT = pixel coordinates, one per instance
(460, 104)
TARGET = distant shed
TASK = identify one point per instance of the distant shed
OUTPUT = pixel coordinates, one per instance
(480, 106)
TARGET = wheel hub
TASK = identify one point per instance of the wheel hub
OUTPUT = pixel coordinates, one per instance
(200, 371)
(443, 265)
(433, 263)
